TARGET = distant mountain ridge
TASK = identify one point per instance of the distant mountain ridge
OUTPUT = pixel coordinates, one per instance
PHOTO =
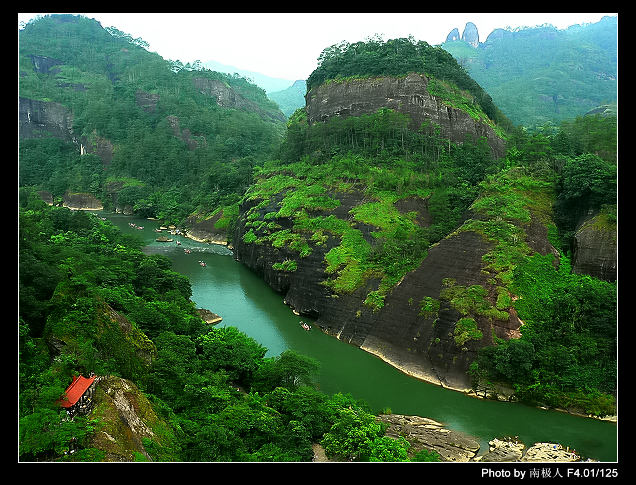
(543, 74)
(268, 83)
(290, 99)
(288, 94)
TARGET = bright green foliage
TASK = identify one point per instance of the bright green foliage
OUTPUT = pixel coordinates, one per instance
(353, 435)
(544, 74)
(429, 307)
(387, 449)
(289, 370)
(426, 455)
(471, 300)
(217, 396)
(465, 330)
(567, 354)
(191, 154)
(288, 266)
(307, 191)
(226, 348)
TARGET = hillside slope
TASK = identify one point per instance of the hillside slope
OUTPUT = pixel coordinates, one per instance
(543, 74)
(172, 140)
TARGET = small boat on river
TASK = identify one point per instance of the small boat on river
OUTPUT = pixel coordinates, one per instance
(305, 326)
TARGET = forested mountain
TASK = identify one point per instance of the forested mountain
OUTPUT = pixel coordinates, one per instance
(432, 247)
(543, 74)
(290, 99)
(171, 139)
(417, 241)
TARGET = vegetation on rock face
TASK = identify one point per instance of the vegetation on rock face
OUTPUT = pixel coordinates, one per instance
(397, 57)
(547, 179)
(90, 301)
(385, 166)
(566, 356)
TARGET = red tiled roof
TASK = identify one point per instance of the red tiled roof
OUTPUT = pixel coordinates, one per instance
(76, 390)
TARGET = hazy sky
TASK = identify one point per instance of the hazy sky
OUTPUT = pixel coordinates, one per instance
(286, 45)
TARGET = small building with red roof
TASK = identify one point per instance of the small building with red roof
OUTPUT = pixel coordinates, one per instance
(78, 396)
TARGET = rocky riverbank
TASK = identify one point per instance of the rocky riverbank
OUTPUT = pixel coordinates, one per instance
(454, 446)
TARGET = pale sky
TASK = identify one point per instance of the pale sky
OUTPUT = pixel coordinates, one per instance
(287, 45)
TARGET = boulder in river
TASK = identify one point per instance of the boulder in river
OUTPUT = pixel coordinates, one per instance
(208, 317)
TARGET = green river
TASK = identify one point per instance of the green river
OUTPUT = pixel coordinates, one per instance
(243, 300)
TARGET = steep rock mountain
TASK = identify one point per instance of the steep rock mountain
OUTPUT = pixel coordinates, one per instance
(409, 95)
(471, 35)
(37, 119)
(433, 321)
(229, 98)
(453, 35)
(154, 123)
(127, 422)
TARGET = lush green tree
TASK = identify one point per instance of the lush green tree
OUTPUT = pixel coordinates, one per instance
(289, 370)
(387, 449)
(353, 436)
(228, 348)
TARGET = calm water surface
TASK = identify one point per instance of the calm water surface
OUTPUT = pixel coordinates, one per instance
(229, 289)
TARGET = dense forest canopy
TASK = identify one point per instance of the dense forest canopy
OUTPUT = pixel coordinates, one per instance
(218, 396)
(185, 142)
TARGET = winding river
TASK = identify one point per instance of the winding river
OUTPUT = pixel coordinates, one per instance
(243, 300)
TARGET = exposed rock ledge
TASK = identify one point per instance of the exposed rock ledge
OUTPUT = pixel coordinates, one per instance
(454, 446)
(208, 317)
(82, 201)
(125, 418)
(412, 367)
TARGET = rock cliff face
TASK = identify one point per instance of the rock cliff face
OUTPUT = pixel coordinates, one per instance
(453, 35)
(126, 421)
(205, 230)
(228, 98)
(471, 35)
(453, 446)
(595, 248)
(38, 119)
(408, 95)
(81, 201)
(425, 344)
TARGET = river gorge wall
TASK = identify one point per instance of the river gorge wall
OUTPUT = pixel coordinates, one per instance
(424, 344)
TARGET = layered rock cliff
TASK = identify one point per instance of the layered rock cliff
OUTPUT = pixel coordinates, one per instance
(128, 426)
(434, 320)
(409, 95)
